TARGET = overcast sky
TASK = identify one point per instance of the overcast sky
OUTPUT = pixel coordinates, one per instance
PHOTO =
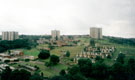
(116, 17)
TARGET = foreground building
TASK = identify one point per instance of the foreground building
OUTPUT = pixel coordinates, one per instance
(96, 33)
(10, 35)
(55, 34)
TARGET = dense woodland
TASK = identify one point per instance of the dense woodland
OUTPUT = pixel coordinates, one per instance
(34, 37)
(123, 41)
(19, 43)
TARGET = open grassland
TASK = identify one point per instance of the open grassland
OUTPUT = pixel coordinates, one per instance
(47, 71)
(126, 49)
(129, 51)
(57, 51)
(32, 52)
(42, 46)
(73, 50)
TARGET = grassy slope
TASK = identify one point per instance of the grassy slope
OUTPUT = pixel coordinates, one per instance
(128, 50)
(73, 50)
(32, 52)
(57, 51)
(49, 72)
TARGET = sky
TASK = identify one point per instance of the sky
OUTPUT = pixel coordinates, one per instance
(39, 17)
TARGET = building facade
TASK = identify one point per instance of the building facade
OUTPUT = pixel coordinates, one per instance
(96, 33)
(55, 34)
(10, 35)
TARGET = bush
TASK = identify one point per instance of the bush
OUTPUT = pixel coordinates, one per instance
(36, 67)
(54, 59)
(62, 72)
(16, 60)
(44, 54)
(67, 54)
(27, 60)
(7, 61)
(48, 64)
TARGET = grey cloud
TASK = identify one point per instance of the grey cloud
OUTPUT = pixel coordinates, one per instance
(116, 17)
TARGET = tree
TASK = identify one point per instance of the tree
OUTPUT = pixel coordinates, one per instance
(19, 43)
(131, 69)
(44, 54)
(73, 70)
(119, 71)
(54, 59)
(62, 72)
(85, 66)
(99, 59)
(2, 49)
(74, 73)
(51, 47)
(9, 52)
(20, 75)
(5, 75)
(109, 57)
(92, 42)
(48, 64)
(131, 65)
(67, 54)
(7, 61)
(120, 58)
(100, 71)
(57, 37)
(58, 78)
(85, 49)
(36, 77)
(78, 76)
(27, 60)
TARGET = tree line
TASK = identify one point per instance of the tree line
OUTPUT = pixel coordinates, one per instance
(122, 41)
(19, 43)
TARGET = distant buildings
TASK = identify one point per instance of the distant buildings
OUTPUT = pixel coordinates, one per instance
(42, 41)
(96, 33)
(10, 35)
(55, 34)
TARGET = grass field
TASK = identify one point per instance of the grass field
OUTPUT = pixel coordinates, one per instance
(57, 51)
(32, 52)
(73, 50)
(48, 72)
(128, 50)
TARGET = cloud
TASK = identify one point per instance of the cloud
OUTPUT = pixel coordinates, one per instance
(116, 17)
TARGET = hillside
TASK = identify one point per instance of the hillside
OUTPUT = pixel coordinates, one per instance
(127, 49)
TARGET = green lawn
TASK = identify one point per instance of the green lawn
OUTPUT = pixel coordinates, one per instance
(48, 72)
(73, 50)
(32, 52)
(128, 50)
(42, 45)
